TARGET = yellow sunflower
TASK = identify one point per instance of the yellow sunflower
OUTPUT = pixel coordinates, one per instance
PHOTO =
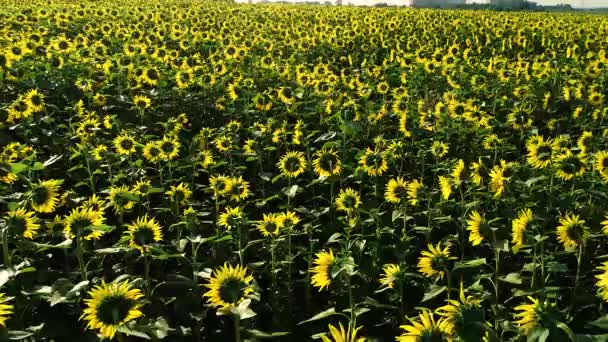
(34, 100)
(124, 144)
(373, 162)
(45, 196)
(533, 315)
(572, 231)
(237, 189)
(601, 164)
(540, 152)
(435, 261)
(22, 223)
(602, 282)
(269, 226)
(142, 102)
(605, 225)
(321, 272)
(519, 227)
(288, 220)
(179, 194)
(220, 185)
(445, 185)
(414, 191)
(152, 152)
(460, 314)
(479, 172)
(79, 224)
(439, 149)
(348, 200)
(121, 198)
(342, 335)
(169, 148)
(396, 190)
(143, 232)
(390, 275)
(497, 180)
(6, 309)
(569, 165)
(292, 164)
(111, 307)
(426, 328)
(231, 218)
(228, 287)
(478, 227)
(327, 163)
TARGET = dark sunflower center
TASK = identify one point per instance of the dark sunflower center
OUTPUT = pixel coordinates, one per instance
(113, 310)
(154, 151)
(544, 152)
(36, 100)
(179, 196)
(17, 225)
(79, 225)
(126, 144)
(143, 188)
(400, 191)
(571, 165)
(41, 195)
(374, 159)
(575, 232)
(232, 290)
(152, 74)
(141, 103)
(433, 335)
(604, 163)
(439, 262)
(350, 202)
(16, 50)
(21, 106)
(167, 147)
(144, 236)
(292, 164)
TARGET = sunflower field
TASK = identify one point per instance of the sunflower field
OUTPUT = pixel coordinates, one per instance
(198, 170)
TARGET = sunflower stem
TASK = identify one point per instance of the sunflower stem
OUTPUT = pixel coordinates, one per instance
(79, 255)
(449, 276)
(579, 257)
(401, 300)
(351, 301)
(147, 274)
(5, 251)
(237, 328)
(533, 268)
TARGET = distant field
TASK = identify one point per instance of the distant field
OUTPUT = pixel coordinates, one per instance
(205, 171)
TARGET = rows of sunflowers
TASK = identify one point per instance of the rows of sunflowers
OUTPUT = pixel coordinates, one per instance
(187, 170)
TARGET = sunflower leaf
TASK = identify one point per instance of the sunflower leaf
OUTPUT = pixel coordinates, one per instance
(323, 314)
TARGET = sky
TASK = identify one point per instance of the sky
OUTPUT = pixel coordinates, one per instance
(574, 3)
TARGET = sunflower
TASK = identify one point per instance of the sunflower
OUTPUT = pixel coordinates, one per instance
(445, 185)
(601, 164)
(605, 225)
(124, 144)
(79, 222)
(169, 148)
(373, 162)
(396, 190)
(292, 164)
(143, 232)
(142, 102)
(142, 188)
(220, 185)
(179, 194)
(569, 166)
(342, 335)
(535, 314)
(205, 158)
(99, 152)
(519, 227)
(426, 328)
(540, 152)
(390, 275)
(5, 309)
(348, 200)
(238, 189)
(327, 163)
(111, 307)
(95, 203)
(288, 220)
(497, 180)
(34, 100)
(270, 225)
(152, 152)
(6, 176)
(231, 217)
(462, 314)
(585, 143)
(479, 228)
(479, 172)
(322, 271)
(602, 282)
(439, 149)
(572, 231)
(45, 196)
(23, 223)
(228, 287)
(121, 198)
(459, 172)
(434, 261)
(414, 190)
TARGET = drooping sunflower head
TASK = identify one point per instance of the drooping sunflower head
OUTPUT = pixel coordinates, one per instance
(6, 176)
(396, 190)
(339, 334)
(292, 164)
(143, 233)
(586, 143)
(459, 172)
(536, 314)
(426, 327)
(601, 164)
(498, 180)
(569, 166)
(391, 274)
(6, 309)
(435, 261)
(205, 158)
(540, 152)
(229, 286)
(572, 231)
(322, 269)
(327, 163)
(231, 217)
(121, 198)
(45, 196)
(220, 185)
(269, 226)
(348, 200)
(445, 185)
(124, 144)
(602, 283)
(465, 316)
(519, 226)
(478, 227)
(414, 191)
(80, 223)
(237, 189)
(479, 172)
(112, 306)
(22, 223)
(373, 162)
(179, 194)
(95, 203)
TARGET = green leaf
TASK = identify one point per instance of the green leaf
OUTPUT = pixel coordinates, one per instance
(469, 264)
(601, 322)
(433, 292)
(511, 278)
(52, 160)
(37, 166)
(265, 335)
(291, 191)
(323, 314)
(567, 330)
(17, 168)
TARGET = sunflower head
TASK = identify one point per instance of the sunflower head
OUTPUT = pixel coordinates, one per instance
(396, 191)
(572, 231)
(111, 307)
(478, 227)
(327, 163)
(80, 223)
(143, 233)
(391, 274)
(179, 194)
(125, 144)
(292, 164)
(288, 220)
(45, 196)
(22, 223)
(237, 189)
(435, 262)
(348, 200)
(465, 316)
(602, 283)
(373, 162)
(439, 149)
(231, 218)
(426, 327)
(6, 309)
(519, 226)
(536, 315)
(414, 191)
(339, 334)
(323, 263)
(169, 148)
(229, 286)
(121, 198)
(220, 185)
(569, 166)
(269, 226)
